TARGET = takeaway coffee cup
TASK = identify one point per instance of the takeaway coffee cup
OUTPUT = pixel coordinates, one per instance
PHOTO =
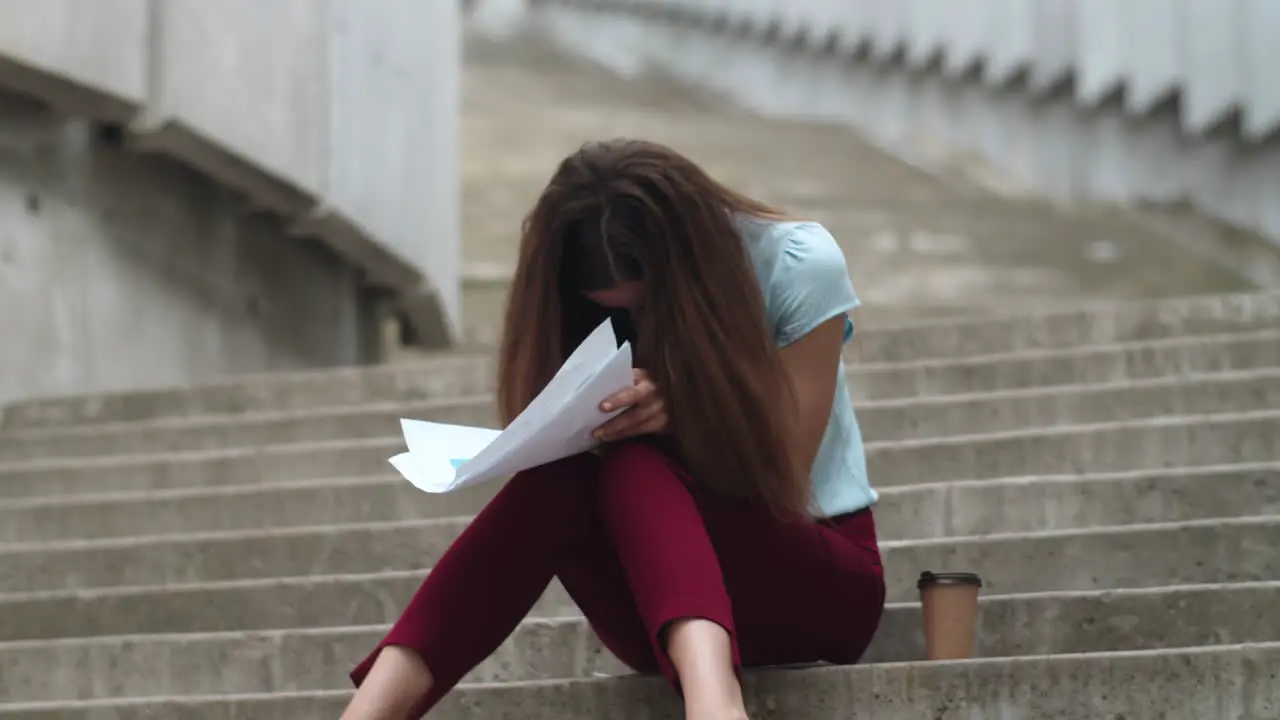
(949, 602)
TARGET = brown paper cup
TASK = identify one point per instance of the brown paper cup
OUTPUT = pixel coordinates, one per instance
(949, 602)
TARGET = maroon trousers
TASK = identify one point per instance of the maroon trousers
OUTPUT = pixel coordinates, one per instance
(637, 548)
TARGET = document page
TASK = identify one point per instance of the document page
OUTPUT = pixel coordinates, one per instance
(557, 424)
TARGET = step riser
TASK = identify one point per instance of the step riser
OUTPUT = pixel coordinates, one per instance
(1173, 684)
(441, 378)
(323, 602)
(1127, 557)
(1086, 366)
(1113, 448)
(454, 377)
(925, 337)
(564, 649)
(1101, 448)
(1120, 323)
(881, 421)
(903, 513)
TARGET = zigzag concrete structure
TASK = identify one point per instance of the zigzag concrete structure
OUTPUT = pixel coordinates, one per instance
(1113, 473)
(1160, 101)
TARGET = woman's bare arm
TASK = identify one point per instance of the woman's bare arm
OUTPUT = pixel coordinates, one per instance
(812, 363)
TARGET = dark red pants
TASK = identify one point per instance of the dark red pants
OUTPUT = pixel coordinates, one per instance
(636, 548)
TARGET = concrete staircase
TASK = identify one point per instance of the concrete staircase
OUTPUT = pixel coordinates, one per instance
(229, 551)
(919, 243)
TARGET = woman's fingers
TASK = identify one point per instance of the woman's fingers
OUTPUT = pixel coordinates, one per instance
(649, 417)
(653, 426)
(622, 398)
(643, 389)
(645, 414)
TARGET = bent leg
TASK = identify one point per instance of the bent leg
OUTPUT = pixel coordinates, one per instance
(658, 533)
(595, 579)
(495, 571)
(784, 591)
(802, 592)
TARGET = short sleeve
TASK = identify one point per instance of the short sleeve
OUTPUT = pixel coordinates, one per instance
(810, 284)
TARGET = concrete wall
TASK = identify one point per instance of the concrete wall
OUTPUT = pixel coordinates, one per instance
(1140, 101)
(287, 171)
(339, 114)
(119, 270)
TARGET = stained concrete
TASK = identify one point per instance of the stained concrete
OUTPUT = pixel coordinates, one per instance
(120, 270)
(331, 141)
(1224, 681)
(290, 660)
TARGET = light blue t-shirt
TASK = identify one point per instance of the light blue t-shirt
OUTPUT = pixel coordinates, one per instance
(805, 281)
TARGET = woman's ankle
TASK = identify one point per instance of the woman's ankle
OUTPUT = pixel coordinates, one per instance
(702, 653)
(396, 683)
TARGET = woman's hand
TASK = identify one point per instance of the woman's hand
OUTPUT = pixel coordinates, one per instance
(646, 414)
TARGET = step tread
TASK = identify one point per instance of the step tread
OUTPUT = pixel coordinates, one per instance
(939, 509)
(381, 410)
(1098, 596)
(1126, 556)
(1239, 311)
(393, 442)
(565, 647)
(1170, 682)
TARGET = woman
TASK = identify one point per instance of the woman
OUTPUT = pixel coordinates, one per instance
(725, 522)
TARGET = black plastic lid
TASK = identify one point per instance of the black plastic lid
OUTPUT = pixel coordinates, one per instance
(929, 579)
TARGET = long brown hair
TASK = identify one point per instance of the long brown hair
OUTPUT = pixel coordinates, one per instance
(628, 210)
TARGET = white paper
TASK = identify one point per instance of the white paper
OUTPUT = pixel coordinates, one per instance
(557, 424)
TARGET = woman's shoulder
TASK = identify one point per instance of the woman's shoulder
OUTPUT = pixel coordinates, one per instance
(802, 272)
(788, 251)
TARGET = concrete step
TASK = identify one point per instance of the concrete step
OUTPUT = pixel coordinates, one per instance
(1225, 550)
(453, 376)
(881, 420)
(1165, 442)
(290, 660)
(1192, 440)
(254, 604)
(267, 602)
(904, 512)
(1211, 682)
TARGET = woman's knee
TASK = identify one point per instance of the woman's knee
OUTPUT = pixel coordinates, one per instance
(634, 466)
(561, 483)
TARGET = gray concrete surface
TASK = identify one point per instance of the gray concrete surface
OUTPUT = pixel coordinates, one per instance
(91, 60)
(932, 358)
(253, 604)
(918, 244)
(881, 420)
(1200, 682)
(1108, 524)
(119, 270)
(1149, 443)
(1076, 101)
(279, 126)
(563, 648)
(1200, 551)
(979, 507)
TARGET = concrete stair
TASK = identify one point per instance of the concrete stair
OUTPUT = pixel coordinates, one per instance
(228, 551)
